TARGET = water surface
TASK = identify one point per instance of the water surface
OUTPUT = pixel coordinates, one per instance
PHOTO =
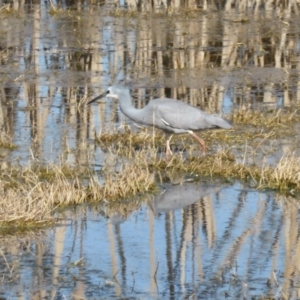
(198, 240)
(201, 240)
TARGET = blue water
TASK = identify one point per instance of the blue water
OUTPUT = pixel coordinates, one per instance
(217, 241)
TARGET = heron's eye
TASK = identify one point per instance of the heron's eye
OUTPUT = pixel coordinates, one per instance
(107, 92)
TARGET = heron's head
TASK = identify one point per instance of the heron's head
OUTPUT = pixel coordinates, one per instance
(113, 92)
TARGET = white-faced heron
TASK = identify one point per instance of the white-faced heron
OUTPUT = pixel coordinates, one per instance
(170, 115)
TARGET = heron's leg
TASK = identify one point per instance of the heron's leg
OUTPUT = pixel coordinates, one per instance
(168, 139)
(201, 141)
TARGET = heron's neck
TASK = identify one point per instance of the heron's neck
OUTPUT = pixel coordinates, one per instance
(127, 108)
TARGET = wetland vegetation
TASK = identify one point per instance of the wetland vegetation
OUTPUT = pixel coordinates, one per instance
(139, 158)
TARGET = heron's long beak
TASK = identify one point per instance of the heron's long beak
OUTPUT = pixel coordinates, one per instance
(97, 98)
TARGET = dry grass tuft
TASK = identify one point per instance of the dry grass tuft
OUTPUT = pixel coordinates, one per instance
(130, 180)
(32, 194)
(7, 10)
(277, 118)
(284, 176)
(171, 11)
(6, 141)
(58, 11)
(128, 143)
(122, 12)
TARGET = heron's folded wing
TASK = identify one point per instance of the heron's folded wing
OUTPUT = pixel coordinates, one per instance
(177, 114)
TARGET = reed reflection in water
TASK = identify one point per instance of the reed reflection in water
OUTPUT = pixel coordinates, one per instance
(217, 60)
(228, 241)
(220, 241)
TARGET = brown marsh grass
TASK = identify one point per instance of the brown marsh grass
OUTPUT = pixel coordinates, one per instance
(283, 176)
(276, 118)
(250, 126)
(8, 10)
(6, 141)
(33, 193)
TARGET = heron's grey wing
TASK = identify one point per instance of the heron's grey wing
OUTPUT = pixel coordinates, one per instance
(180, 115)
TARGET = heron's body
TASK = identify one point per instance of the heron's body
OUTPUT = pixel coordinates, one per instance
(172, 116)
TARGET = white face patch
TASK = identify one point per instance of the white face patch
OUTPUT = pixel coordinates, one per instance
(110, 94)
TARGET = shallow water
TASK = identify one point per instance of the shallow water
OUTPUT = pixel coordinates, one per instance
(203, 241)
(197, 240)
(52, 64)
